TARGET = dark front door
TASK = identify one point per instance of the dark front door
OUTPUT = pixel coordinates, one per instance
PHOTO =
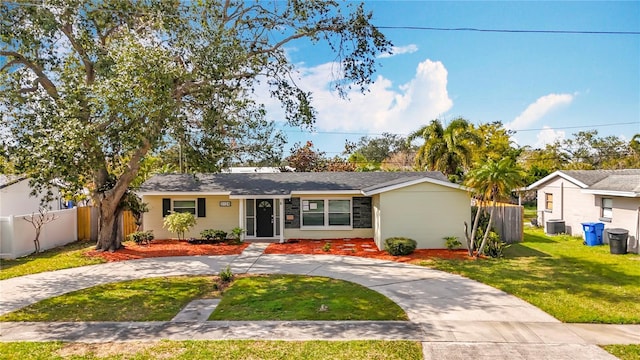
(264, 218)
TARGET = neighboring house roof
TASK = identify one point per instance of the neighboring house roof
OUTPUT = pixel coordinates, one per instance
(625, 182)
(8, 180)
(286, 184)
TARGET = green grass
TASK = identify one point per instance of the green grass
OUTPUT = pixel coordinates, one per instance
(64, 257)
(573, 282)
(273, 297)
(624, 352)
(153, 299)
(530, 212)
(347, 350)
(296, 297)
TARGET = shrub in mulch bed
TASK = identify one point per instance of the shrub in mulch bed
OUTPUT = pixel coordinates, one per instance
(359, 247)
(161, 248)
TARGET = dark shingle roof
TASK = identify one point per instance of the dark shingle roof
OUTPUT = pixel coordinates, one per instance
(282, 183)
(624, 180)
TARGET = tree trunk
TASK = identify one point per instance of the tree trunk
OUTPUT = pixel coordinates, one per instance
(474, 230)
(36, 241)
(486, 232)
(109, 229)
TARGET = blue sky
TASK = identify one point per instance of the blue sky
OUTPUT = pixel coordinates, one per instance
(545, 86)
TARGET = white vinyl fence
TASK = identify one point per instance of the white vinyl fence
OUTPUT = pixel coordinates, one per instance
(17, 234)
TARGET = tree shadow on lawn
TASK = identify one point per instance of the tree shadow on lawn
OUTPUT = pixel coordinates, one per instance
(520, 250)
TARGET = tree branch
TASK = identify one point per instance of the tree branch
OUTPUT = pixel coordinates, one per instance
(46, 83)
(86, 61)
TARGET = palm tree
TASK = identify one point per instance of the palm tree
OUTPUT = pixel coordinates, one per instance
(446, 149)
(491, 181)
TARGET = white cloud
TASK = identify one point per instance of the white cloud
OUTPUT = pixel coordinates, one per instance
(399, 50)
(382, 109)
(538, 110)
(548, 136)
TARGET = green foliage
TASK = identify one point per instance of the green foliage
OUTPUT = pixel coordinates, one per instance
(449, 149)
(139, 78)
(495, 247)
(141, 237)
(398, 246)
(326, 247)
(214, 235)
(452, 242)
(236, 234)
(179, 223)
(226, 275)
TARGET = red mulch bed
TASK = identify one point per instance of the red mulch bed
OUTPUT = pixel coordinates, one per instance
(350, 247)
(160, 248)
(360, 247)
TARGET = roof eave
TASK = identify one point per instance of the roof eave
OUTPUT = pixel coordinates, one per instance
(549, 177)
(413, 182)
(630, 194)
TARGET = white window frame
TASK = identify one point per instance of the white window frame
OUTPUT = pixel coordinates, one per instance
(609, 209)
(326, 225)
(195, 206)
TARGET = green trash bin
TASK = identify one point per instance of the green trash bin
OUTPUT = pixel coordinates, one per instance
(618, 240)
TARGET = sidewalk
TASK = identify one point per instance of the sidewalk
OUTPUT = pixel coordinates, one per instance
(453, 316)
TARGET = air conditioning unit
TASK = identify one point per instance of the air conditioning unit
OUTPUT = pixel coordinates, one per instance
(556, 226)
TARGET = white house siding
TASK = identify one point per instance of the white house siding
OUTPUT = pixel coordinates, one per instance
(569, 204)
(220, 218)
(15, 199)
(625, 216)
(424, 212)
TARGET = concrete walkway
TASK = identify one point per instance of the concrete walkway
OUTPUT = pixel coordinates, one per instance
(452, 316)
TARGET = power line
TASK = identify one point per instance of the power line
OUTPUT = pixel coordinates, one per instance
(423, 28)
(516, 130)
(579, 32)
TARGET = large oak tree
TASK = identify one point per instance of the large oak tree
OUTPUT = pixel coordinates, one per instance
(90, 88)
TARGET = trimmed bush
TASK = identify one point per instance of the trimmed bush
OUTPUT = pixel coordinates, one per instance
(398, 246)
(141, 237)
(213, 235)
(495, 247)
(452, 242)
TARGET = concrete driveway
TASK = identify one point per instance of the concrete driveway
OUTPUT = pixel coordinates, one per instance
(454, 317)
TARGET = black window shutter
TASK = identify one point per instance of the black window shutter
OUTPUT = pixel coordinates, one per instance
(202, 209)
(166, 207)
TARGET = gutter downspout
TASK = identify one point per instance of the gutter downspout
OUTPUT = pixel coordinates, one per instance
(638, 230)
(562, 201)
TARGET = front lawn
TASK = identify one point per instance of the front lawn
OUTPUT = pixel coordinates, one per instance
(560, 275)
(624, 352)
(274, 297)
(246, 349)
(297, 297)
(153, 299)
(64, 257)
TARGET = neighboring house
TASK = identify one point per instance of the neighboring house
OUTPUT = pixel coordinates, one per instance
(423, 206)
(16, 198)
(577, 196)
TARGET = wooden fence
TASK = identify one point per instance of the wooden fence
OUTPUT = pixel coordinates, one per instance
(88, 223)
(508, 221)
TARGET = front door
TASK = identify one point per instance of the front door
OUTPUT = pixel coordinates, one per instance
(264, 218)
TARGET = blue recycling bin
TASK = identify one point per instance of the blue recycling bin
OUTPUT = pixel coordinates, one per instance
(593, 233)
